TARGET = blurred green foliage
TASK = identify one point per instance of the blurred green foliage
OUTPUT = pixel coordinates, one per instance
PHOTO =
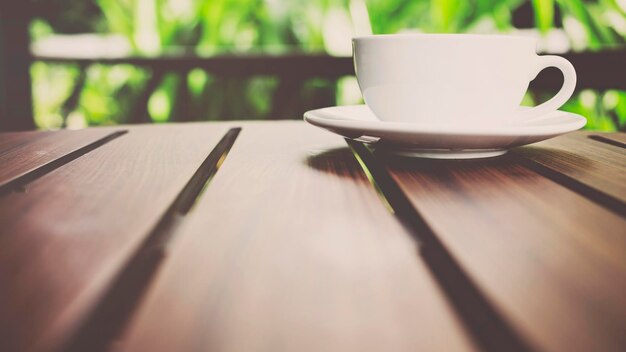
(157, 27)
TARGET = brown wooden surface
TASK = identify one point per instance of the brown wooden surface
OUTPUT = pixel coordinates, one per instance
(65, 237)
(290, 249)
(553, 261)
(23, 152)
(585, 160)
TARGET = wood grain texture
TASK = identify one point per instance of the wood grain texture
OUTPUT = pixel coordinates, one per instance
(23, 152)
(551, 260)
(583, 160)
(290, 249)
(72, 230)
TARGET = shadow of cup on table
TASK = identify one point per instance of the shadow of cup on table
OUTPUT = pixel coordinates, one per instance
(527, 156)
(338, 161)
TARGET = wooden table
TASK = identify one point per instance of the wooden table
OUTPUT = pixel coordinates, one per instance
(277, 236)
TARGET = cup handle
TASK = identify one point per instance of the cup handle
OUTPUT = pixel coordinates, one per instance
(566, 91)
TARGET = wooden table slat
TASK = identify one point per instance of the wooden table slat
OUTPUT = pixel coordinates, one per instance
(24, 152)
(65, 238)
(551, 260)
(583, 160)
(291, 249)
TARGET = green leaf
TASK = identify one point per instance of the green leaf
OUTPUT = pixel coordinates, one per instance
(544, 14)
(161, 102)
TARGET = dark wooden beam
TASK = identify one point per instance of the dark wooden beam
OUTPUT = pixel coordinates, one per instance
(15, 90)
(245, 65)
(596, 70)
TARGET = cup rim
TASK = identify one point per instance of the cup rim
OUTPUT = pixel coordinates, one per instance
(439, 36)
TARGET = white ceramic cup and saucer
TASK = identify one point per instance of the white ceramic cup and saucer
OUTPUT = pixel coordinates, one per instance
(450, 95)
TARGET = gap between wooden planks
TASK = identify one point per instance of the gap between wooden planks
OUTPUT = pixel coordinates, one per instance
(66, 237)
(552, 260)
(25, 156)
(290, 248)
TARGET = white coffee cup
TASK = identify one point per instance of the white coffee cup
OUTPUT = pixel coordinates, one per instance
(454, 78)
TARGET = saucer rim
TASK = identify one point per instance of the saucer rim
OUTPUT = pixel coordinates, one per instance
(316, 118)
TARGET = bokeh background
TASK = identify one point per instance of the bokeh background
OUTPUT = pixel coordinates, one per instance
(74, 93)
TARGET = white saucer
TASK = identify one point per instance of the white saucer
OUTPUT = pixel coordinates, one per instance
(440, 141)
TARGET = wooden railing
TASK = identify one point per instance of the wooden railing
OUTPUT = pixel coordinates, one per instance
(292, 71)
(596, 70)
